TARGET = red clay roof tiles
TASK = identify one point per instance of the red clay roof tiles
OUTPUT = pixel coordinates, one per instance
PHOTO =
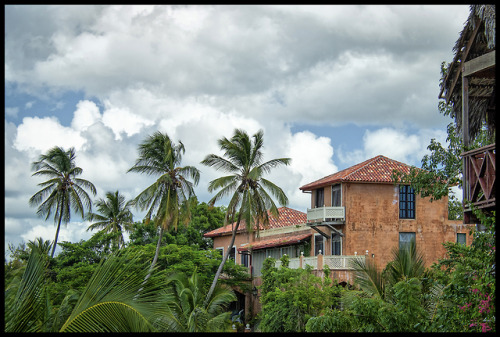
(287, 217)
(374, 170)
(275, 242)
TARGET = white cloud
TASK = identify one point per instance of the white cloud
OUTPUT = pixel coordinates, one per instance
(41, 134)
(86, 114)
(121, 120)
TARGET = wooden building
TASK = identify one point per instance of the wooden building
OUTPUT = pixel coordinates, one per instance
(469, 86)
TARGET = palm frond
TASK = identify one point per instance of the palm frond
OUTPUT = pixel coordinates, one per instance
(110, 301)
(368, 277)
(24, 311)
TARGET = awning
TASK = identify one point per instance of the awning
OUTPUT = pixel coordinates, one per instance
(275, 242)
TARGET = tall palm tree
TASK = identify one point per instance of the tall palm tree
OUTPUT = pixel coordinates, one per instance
(115, 217)
(188, 313)
(245, 184)
(63, 190)
(159, 156)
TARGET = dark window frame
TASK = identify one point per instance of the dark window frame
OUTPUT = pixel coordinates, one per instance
(316, 245)
(464, 240)
(408, 237)
(406, 202)
(336, 244)
(320, 197)
(337, 195)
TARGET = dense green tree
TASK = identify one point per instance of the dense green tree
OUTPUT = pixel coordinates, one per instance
(203, 219)
(160, 157)
(143, 233)
(467, 277)
(188, 313)
(246, 186)
(303, 294)
(63, 190)
(114, 216)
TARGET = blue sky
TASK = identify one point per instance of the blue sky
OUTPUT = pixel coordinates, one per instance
(330, 86)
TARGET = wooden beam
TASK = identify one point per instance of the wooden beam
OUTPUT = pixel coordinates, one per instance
(462, 60)
(465, 111)
(478, 64)
(320, 232)
(335, 230)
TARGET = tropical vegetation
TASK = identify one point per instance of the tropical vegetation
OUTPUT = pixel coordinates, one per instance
(114, 216)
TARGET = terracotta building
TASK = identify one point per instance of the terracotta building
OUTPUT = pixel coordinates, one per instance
(355, 213)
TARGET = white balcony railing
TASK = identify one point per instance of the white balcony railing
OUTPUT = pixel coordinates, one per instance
(334, 262)
(324, 213)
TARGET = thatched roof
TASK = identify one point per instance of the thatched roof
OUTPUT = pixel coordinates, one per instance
(476, 39)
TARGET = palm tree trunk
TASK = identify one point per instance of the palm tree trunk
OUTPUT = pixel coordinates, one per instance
(58, 228)
(154, 260)
(221, 266)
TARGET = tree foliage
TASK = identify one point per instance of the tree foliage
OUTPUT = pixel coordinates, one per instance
(303, 294)
(63, 191)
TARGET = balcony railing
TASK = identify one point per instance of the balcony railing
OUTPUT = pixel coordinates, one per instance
(334, 262)
(321, 214)
(479, 178)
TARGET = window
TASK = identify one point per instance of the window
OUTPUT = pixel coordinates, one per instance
(461, 238)
(336, 196)
(232, 254)
(406, 202)
(244, 259)
(320, 197)
(318, 244)
(405, 239)
(221, 250)
(336, 244)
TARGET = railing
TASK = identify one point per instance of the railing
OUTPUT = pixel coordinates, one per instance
(334, 262)
(479, 177)
(324, 213)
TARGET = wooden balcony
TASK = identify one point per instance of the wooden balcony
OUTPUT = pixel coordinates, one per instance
(326, 214)
(479, 180)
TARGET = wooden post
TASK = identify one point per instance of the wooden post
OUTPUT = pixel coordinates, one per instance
(465, 140)
(301, 259)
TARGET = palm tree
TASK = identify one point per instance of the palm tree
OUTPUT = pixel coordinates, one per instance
(407, 262)
(159, 156)
(108, 303)
(115, 217)
(63, 190)
(188, 313)
(245, 184)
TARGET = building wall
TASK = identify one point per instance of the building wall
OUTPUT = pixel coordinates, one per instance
(225, 240)
(373, 224)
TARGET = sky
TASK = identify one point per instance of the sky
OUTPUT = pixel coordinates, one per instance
(329, 85)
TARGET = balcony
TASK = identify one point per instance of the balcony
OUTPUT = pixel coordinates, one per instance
(325, 214)
(479, 180)
(334, 262)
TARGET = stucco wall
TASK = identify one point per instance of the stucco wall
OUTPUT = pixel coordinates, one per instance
(373, 224)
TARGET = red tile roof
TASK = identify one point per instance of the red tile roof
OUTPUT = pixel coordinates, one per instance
(374, 170)
(287, 217)
(276, 242)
